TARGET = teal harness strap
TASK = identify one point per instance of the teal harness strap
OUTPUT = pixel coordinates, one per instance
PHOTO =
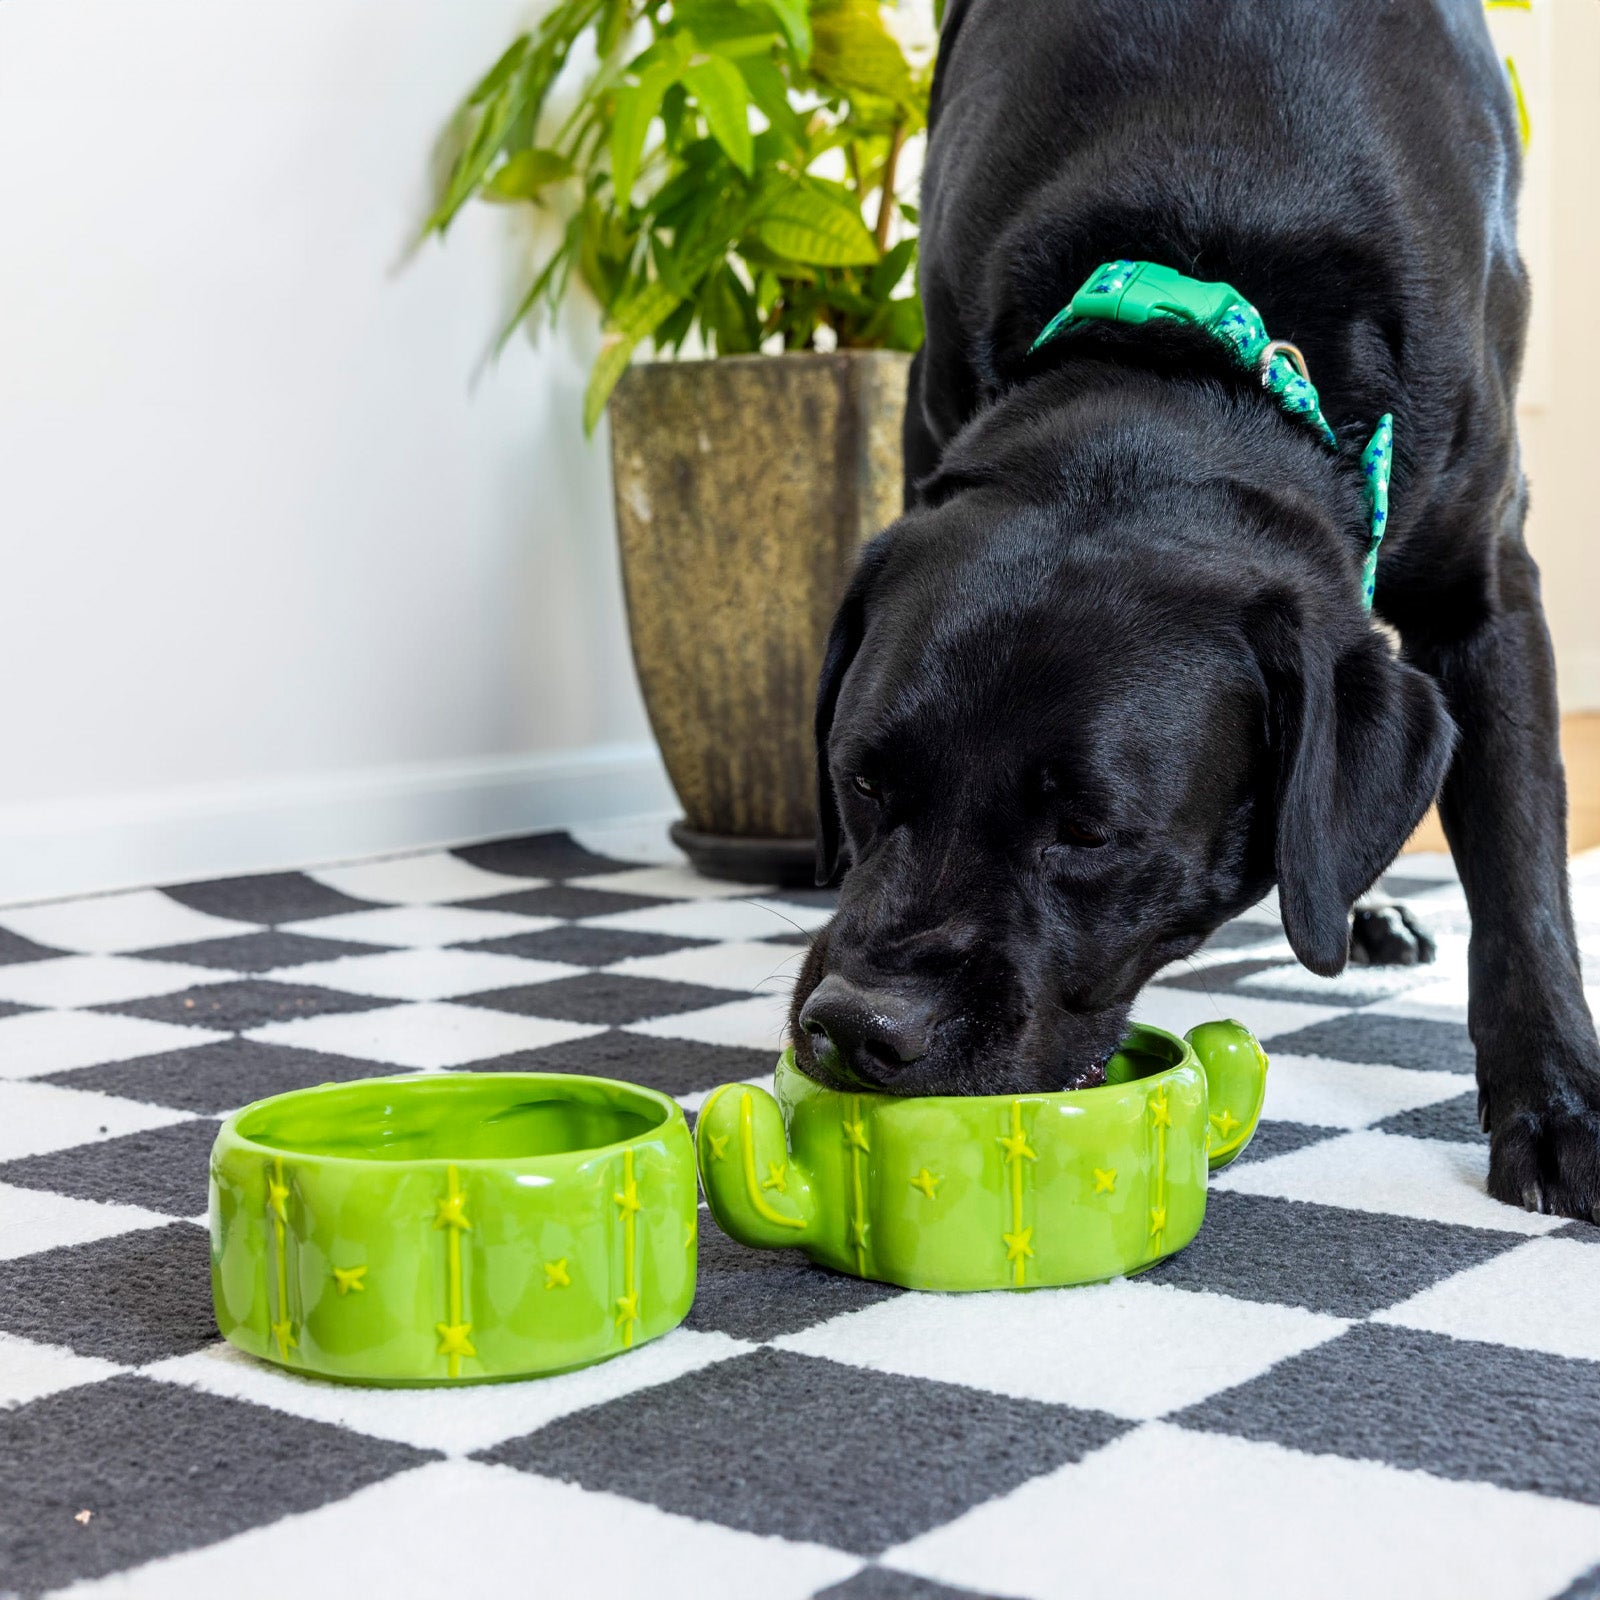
(1137, 292)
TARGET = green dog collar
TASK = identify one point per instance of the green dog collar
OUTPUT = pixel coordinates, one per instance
(1136, 292)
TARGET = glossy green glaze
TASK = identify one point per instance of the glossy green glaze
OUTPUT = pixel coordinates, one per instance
(452, 1227)
(988, 1192)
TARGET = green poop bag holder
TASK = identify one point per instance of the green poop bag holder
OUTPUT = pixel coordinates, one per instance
(987, 1192)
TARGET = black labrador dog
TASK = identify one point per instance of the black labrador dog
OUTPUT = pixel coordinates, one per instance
(1110, 678)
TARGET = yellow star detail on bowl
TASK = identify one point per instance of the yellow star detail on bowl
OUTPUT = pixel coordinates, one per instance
(1224, 1122)
(627, 1309)
(775, 1178)
(347, 1278)
(1105, 1180)
(927, 1182)
(278, 1199)
(1017, 1147)
(556, 1275)
(1018, 1244)
(1160, 1114)
(855, 1135)
(691, 1232)
(719, 1145)
(453, 1340)
(1158, 1218)
(283, 1332)
(627, 1200)
(452, 1214)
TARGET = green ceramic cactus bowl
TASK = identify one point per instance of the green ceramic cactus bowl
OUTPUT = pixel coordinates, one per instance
(989, 1192)
(452, 1227)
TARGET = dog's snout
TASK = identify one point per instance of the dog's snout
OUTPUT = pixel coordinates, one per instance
(866, 1034)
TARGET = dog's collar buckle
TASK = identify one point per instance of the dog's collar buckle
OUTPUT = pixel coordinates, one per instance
(1137, 292)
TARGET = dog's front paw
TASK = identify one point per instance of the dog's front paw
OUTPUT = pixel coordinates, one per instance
(1544, 1154)
(1388, 936)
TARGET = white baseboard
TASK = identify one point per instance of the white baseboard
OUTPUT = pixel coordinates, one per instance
(180, 835)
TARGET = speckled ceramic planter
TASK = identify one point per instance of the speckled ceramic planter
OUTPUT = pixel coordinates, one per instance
(452, 1227)
(744, 488)
(987, 1192)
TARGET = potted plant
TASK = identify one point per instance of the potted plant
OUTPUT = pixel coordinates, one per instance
(727, 180)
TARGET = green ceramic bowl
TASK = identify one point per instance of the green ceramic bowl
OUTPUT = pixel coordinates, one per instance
(987, 1192)
(452, 1227)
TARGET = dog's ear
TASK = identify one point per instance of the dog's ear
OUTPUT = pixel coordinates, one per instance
(1361, 742)
(844, 640)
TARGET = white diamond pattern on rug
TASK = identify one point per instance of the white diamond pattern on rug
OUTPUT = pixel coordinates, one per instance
(420, 880)
(37, 1042)
(146, 919)
(1255, 1519)
(431, 1035)
(98, 980)
(1364, 1377)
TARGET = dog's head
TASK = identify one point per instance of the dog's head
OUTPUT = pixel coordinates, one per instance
(1059, 746)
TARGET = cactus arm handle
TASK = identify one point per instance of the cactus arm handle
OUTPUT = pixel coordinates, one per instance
(739, 1136)
(747, 1139)
(1235, 1067)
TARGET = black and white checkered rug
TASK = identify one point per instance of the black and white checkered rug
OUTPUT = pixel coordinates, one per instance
(1364, 1378)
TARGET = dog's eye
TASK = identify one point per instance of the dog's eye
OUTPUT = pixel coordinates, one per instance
(866, 787)
(1075, 833)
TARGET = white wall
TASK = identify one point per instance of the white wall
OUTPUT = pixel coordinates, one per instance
(1556, 46)
(280, 582)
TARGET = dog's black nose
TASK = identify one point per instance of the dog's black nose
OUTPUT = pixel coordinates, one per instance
(867, 1034)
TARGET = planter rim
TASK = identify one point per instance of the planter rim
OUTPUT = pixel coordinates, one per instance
(759, 358)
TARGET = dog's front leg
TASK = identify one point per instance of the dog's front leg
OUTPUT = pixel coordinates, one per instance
(1504, 808)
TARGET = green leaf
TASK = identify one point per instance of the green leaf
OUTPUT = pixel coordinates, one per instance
(730, 27)
(794, 18)
(636, 106)
(891, 269)
(526, 175)
(508, 63)
(728, 310)
(673, 105)
(552, 277)
(613, 24)
(717, 86)
(770, 92)
(812, 224)
(675, 329)
(852, 50)
(634, 320)
(903, 328)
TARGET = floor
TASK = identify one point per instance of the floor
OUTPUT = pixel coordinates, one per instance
(1364, 1378)
(1580, 748)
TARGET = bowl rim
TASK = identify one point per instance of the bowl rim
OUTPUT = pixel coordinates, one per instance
(229, 1133)
(1098, 1093)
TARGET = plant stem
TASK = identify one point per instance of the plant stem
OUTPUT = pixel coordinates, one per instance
(853, 156)
(886, 194)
